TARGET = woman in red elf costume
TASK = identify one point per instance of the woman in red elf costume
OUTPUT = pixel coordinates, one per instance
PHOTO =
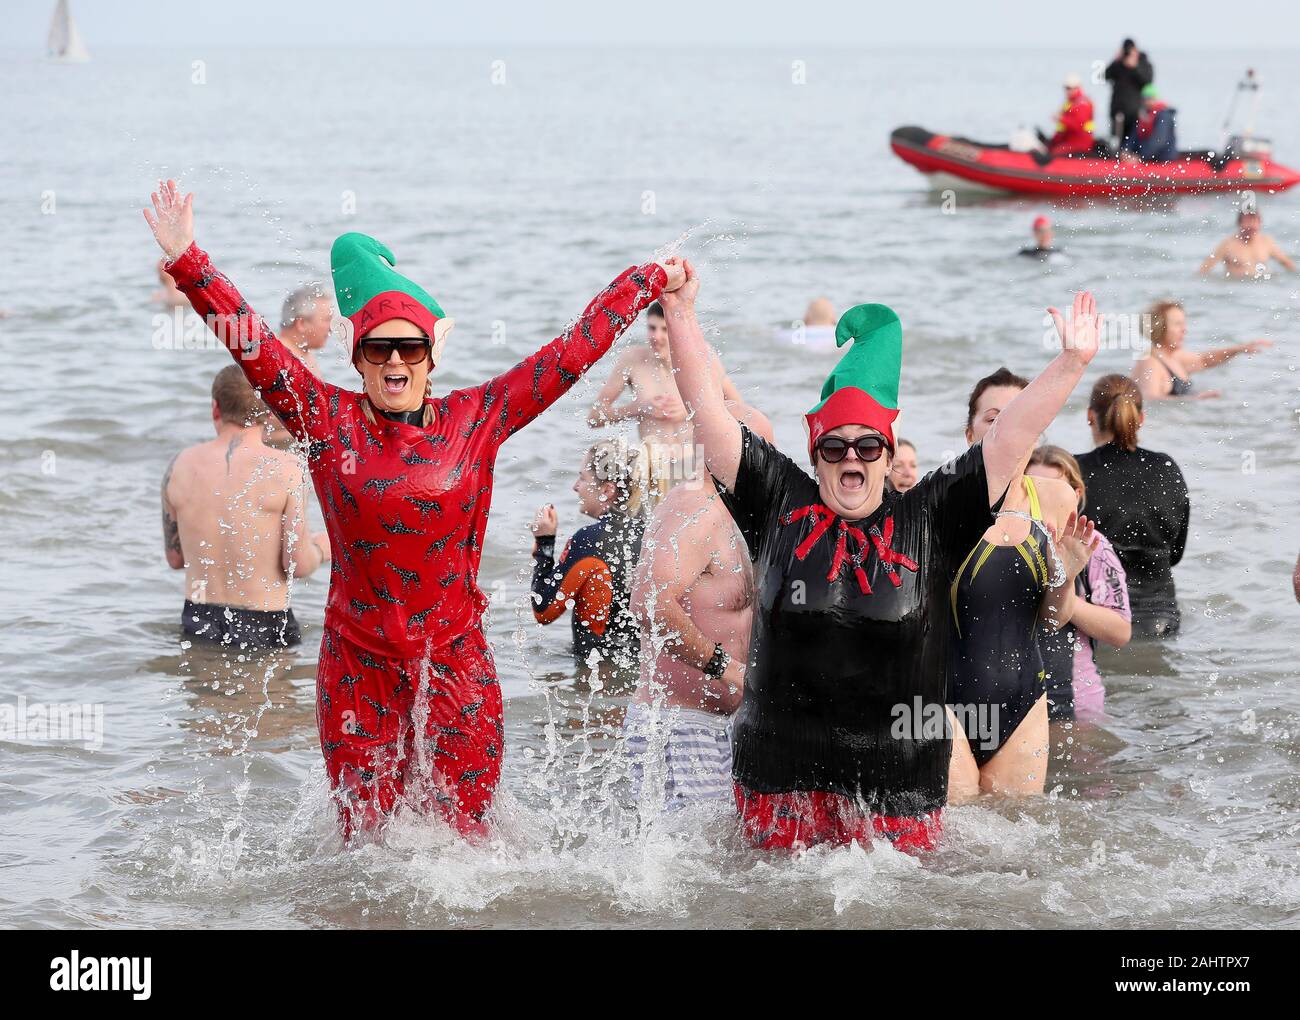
(408, 703)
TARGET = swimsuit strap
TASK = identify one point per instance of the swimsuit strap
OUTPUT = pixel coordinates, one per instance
(1175, 380)
(1031, 490)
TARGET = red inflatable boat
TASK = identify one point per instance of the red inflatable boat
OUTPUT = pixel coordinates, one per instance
(950, 161)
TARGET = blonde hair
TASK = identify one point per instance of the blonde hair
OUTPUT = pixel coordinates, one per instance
(1156, 321)
(1064, 462)
(1116, 405)
(630, 469)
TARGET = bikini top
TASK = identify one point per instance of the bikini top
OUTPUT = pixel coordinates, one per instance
(1178, 386)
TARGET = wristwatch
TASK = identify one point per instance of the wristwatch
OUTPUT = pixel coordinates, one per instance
(717, 665)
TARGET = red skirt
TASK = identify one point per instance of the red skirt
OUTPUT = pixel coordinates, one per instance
(803, 818)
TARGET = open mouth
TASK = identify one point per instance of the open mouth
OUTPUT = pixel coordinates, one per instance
(395, 383)
(853, 481)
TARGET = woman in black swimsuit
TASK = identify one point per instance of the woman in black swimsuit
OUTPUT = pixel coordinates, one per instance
(1020, 573)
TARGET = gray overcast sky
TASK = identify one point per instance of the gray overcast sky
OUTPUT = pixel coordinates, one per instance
(756, 23)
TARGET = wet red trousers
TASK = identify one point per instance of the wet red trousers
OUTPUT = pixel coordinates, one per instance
(422, 734)
(798, 820)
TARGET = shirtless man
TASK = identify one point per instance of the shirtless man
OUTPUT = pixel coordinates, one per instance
(305, 323)
(656, 406)
(694, 595)
(234, 519)
(1246, 253)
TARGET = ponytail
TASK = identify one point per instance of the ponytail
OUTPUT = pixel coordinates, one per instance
(1116, 406)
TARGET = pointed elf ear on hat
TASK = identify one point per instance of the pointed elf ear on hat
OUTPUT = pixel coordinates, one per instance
(863, 388)
(370, 291)
(441, 330)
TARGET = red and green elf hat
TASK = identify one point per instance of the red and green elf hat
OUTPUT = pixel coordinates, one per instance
(863, 388)
(370, 291)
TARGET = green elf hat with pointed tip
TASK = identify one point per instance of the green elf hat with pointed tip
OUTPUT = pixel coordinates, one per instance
(370, 291)
(863, 388)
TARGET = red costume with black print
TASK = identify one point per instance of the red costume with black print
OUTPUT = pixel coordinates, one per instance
(408, 703)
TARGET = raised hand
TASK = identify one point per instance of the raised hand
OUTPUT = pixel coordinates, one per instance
(1081, 335)
(546, 522)
(1076, 543)
(667, 407)
(676, 274)
(172, 219)
(681, 296)
(1255, 346)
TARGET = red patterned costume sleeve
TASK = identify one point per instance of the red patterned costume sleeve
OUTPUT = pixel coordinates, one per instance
(406, 509)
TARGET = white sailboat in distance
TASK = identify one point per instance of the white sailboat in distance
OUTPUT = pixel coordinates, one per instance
(65, 43)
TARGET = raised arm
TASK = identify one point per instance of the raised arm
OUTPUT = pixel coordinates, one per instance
(1281, 256)
(285, 383)
(603, 412)
(699, 382)
(518, 395)
(1215, 258)
(1198, 362)
(1022, 421)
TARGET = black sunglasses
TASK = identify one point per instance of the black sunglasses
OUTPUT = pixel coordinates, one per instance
(834, 449)
(379, 349)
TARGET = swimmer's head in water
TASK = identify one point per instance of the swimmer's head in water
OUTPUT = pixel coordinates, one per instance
(371, 293)
(987, 399)
(1165, 323)
(820, 312)
(863, 388)
(1248, 223)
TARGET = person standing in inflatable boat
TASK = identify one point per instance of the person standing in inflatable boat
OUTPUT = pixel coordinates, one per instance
(408, 704)
(841, 735)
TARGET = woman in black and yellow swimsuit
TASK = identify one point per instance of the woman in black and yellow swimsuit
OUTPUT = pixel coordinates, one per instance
(1020, 572)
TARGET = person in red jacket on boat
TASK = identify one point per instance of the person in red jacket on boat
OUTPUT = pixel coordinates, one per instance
(1074, 123)
(407, 699)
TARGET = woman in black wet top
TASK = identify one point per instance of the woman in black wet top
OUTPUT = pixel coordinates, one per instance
(842, 733)
(1139, 500)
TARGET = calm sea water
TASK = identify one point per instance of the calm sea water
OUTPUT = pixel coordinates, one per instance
(514, 202)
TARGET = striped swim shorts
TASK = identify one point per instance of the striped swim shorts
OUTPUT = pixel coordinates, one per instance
(684, 752)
